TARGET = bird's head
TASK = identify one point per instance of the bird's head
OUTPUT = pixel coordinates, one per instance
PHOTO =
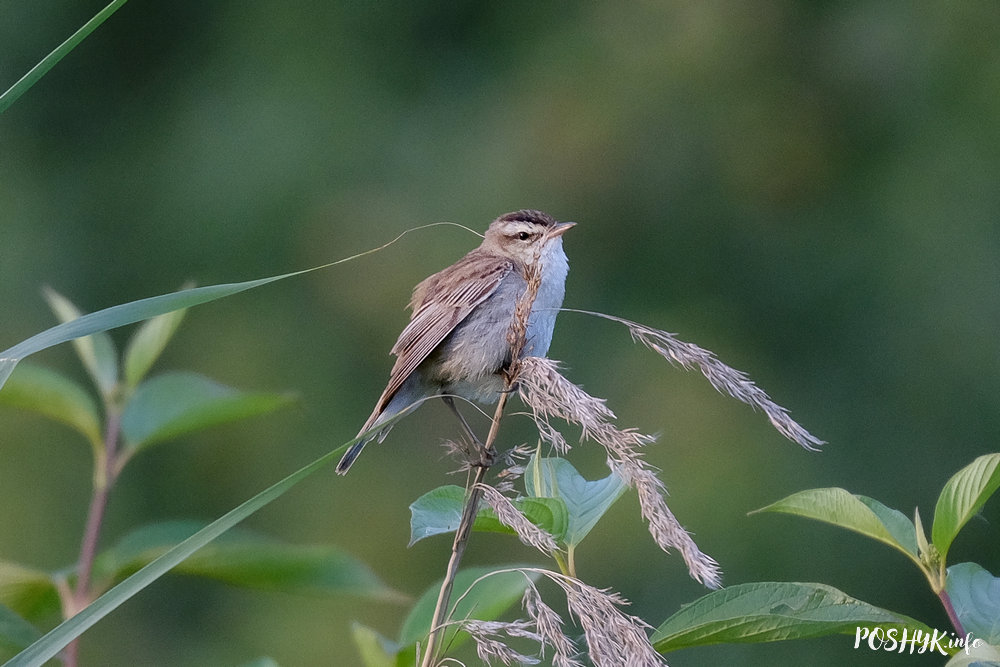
(524, 235)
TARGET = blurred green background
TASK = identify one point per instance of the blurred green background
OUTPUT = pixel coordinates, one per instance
(808, 189)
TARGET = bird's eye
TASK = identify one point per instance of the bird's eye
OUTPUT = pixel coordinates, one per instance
(524, 236)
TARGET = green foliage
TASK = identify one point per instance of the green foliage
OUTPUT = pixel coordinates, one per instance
(151, 411)
(246, 559)
(440, 510)
(585, 501)
(855, 512)
(975, 595)
(487, 593)
(962, 497)
(771, 611)
(95, 323)
(55, 396)
(174, 404)
(15, 633)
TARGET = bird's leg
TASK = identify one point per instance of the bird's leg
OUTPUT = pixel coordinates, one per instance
(486, 457)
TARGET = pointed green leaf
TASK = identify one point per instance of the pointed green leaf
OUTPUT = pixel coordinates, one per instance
(439, 511)
(963, 496)
(771, 611)
(487, 600)
(49, 61)
(975, 595)
(899, 526)
(243, 558)
(173, 404)
(30, 593)
(57, 397)
(858, 513)
(15, 633)
(97, 351)
(585, 501)
(375, 650)
(147, 343)
(58, 638)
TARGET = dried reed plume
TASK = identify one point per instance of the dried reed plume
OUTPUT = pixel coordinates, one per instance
(613, 637)
(549, 624)
(510, 516)
(489, 636)
(725, 379)
(549, 394)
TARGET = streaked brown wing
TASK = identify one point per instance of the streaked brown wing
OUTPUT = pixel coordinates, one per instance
(440, 302)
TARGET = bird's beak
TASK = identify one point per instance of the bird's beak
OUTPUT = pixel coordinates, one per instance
(560, 228)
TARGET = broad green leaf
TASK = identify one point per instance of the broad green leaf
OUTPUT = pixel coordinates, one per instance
(49, 61)
(57, 397)
(585, 501)
(147, 343)
(439, 511)
(898, 524)
(975, 595)
(172, 404)
(243, 558)
(375, 650)
(487, 600)
(858, 513)
(963, 496)
(15, 633)
(97, 351)
(28, 592)
(59, 637)
(772, 611)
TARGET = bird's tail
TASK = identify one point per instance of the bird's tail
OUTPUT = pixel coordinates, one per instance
(370, 433)
(348, 458)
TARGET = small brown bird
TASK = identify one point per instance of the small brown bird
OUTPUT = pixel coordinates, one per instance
(456, 343)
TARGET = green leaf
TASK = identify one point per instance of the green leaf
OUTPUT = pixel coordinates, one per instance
(128, 313)
(585, 501)
(975, 595)
(15, 633)
(144, 309)
(58, 638)
(173, 404)
(486, 601)
(147, 343)
(49, 61)
(964, 495)
(243, 558)
(440, 511)
(772, 611)
(375, 650)
(858, 513)
(898, 524)
(54, 396)
(30, 593)
(97, 352)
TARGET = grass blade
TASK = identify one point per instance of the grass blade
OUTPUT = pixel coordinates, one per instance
(48, 62)
(54, 641)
